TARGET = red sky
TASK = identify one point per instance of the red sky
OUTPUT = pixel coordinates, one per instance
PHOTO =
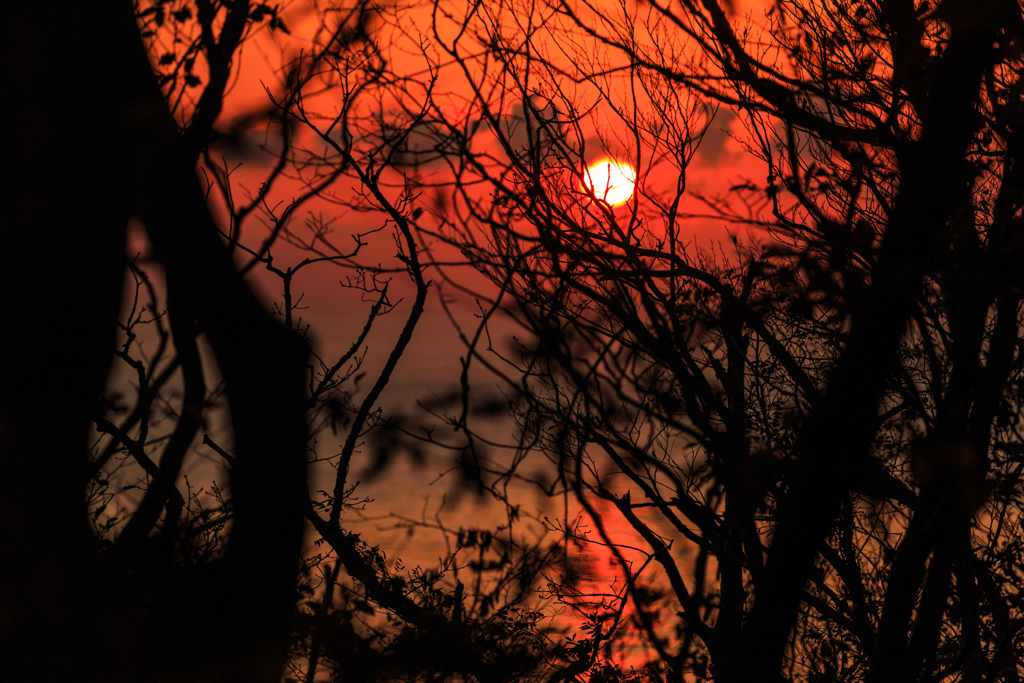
(335, 314)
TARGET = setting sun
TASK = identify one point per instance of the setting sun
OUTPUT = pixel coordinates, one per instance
(612, 181)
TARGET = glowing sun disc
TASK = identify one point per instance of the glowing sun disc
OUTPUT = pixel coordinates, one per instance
(612, 181)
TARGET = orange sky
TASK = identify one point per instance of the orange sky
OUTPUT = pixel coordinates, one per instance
(335, 314)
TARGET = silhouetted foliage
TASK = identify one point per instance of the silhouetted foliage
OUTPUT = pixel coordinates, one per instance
(190, 466)
(791, 453)
(812, 430)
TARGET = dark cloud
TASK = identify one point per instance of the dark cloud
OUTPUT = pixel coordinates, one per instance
(713, 145)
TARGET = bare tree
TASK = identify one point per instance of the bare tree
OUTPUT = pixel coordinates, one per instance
(177, 579)
(798, 449)
(817, 427)
(100, 146)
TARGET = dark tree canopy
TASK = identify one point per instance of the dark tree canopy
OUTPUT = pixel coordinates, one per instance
(95, 146)
(794, 452)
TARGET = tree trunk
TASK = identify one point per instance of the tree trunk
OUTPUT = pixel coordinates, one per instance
(89, 143)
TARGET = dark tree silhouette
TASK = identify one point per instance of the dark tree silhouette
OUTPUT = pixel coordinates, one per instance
(798, 452)
(110, 121)
(817, 428)
(95, 145)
